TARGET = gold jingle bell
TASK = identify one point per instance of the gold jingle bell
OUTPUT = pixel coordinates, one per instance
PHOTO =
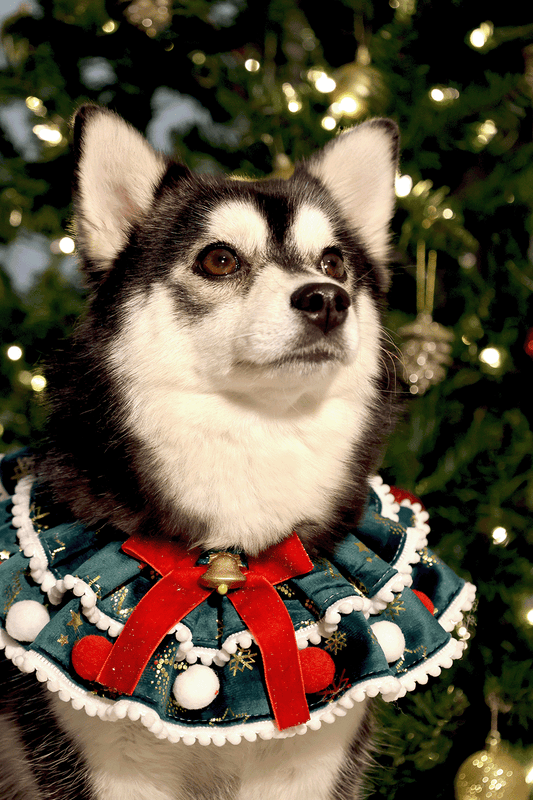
(223, 573)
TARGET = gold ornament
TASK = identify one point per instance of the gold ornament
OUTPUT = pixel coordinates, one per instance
(427, 346)
(223, 573)
(491, 774)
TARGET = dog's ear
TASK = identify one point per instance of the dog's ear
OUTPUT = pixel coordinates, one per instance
(359, 167)
(115, 178)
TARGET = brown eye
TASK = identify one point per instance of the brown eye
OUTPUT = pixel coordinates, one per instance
(333, 265)
(219, 261)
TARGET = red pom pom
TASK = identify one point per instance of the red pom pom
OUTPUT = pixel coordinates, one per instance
(318, 669)
(402, 494)
(425, 600)
(89, 655)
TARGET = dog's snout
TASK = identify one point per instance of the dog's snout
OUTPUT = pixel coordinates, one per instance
(324, 304)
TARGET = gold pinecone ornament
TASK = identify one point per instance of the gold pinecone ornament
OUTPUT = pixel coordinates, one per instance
(427, 344)
(426, 352)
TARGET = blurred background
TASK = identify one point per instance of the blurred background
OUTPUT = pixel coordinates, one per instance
(242, 86)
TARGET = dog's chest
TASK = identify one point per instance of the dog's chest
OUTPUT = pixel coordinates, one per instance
(126, 762)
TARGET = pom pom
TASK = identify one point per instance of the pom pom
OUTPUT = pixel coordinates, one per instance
(318, 669)
(390, 639)
(197, 687)
(425, 600)
(26, 619)
(402, 494)
(89, 655)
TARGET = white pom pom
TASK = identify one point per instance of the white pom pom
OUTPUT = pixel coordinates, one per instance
(26, 619)
(197, 687)
(390, 638)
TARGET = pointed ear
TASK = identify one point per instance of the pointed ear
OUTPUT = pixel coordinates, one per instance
(359, 167)
(116, 175)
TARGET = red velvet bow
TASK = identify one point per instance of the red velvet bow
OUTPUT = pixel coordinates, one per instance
(257, 603)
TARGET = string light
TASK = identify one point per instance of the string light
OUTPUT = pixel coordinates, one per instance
(66, 245)
(500, 535)
(110, 26)
(36, 105)
(15, 218)
(38, 383)
(492, 357)
(480, 36)
(251, 64)
(322, 81)
(486, 131)
(329, 123)
(403, 185)
(14, 352)
(442, 94)
(48, 133)
(199, 58)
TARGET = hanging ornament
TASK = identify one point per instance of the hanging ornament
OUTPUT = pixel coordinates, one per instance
(491, 774)
(427, 345)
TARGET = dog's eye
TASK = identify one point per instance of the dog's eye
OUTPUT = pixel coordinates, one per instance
(219, 261)
(333, 265)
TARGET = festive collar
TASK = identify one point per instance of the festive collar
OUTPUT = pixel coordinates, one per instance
(215, 647)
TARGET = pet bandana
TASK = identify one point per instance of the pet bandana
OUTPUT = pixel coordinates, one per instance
(217, 646)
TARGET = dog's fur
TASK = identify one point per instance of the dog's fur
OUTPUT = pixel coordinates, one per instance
(225, 410)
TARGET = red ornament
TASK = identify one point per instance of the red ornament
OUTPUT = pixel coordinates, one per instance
(402, 494)
(425, 600)
(89, 655)
(318, 669)
(528, 344)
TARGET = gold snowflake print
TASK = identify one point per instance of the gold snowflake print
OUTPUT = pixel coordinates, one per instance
(337, 641)
(241, 660)
(396, 607)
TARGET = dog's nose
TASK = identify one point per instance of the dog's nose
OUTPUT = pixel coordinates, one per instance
(324, 304)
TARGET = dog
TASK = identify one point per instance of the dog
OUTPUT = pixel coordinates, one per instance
(230, 383)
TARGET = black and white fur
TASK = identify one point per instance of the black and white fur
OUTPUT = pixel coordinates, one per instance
(224, 410)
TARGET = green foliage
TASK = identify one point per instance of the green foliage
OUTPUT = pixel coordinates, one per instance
(465, 114)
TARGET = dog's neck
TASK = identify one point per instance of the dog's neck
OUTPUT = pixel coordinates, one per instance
(251, 477)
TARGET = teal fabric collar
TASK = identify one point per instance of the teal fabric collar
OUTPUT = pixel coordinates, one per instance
(375, 618)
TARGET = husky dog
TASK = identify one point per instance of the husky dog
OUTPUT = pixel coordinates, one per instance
(228, 384)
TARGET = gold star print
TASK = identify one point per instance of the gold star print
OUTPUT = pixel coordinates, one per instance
(4, 555)
(36, 515)
(241, 660)
(362, 547)
(63, 640)
(24, 467)
(75, 621)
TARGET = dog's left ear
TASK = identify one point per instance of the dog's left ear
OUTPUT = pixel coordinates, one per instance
(116, 175)
(359, 167)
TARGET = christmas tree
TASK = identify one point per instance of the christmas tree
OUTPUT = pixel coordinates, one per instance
(248, 89)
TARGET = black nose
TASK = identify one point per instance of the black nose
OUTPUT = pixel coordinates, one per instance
(324, 304)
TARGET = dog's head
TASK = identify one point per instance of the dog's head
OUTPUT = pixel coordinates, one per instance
(260, 285)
